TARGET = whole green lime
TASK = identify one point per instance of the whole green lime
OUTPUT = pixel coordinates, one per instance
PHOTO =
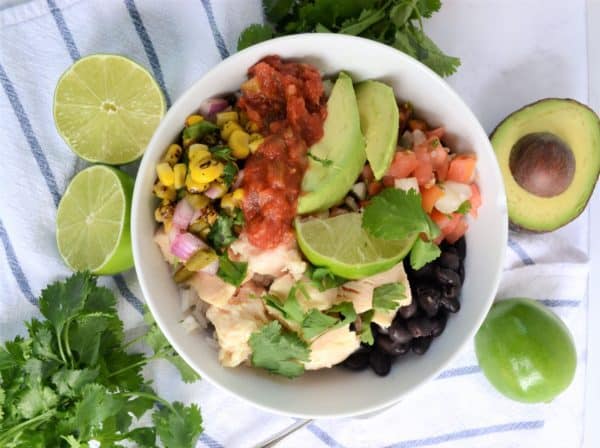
(526, 351)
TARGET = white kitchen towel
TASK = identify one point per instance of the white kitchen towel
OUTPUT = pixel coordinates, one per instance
(513, 52)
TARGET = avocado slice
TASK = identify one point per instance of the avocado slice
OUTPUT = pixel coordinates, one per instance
(549, 155)
(338, 158)
(379, 121)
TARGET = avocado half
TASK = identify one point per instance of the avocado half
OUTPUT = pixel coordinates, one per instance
(549, 155)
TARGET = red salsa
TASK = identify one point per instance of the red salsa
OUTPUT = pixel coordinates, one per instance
(286, 101)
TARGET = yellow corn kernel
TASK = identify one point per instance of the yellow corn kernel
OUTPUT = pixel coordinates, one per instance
(167, 225)
(211, 215)
(250, 86)
(199, 227)
(164, 212)
(238, 194)
(198, 201)
(162, 191)
(173, 154)
(238, 142)
(224, 117)
(179, 172)
(198, 151)
(254, 144)
(228, 128)
(204, 172)
(255, 136)
(243, 117)
(193, 186)
(193, 119)
(251, 126)
(165, 174)
(228, 203)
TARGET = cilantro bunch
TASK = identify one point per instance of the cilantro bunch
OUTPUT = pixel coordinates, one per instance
(397, 23)
(72, 381)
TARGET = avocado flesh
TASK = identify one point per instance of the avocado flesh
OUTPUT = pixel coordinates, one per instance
(379, 121)
(577, 126)
(341, 151)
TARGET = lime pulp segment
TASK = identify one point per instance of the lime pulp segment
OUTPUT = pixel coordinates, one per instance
(92, 223)
(106, 107)
(341, 244)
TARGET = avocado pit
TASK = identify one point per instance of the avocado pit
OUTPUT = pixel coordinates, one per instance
(542, 163)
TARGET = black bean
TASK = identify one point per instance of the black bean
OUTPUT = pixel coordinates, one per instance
(452, 305)
(409, 310)
(439, 324)
(425, 273)
(421, 345)
(449, 260)
(358, 360)
(428, 299)
(450, 291)
(461, 247)
(446, 276)
(392, 348)
(399, 333)
(380, 362)
(420, 327)
(461, 272)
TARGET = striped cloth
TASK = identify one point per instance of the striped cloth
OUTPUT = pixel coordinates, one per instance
(513, 60)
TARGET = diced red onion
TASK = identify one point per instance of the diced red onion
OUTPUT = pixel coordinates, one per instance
(212, 106)
(212, 268)
(214, 192)
(185, 245)
(173, 232)
(238, 181)
(183, 214)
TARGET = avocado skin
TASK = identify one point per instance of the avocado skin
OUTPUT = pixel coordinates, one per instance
(514, 220)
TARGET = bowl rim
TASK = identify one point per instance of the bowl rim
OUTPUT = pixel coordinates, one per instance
(314, 39)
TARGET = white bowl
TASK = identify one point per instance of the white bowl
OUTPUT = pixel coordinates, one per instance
(332, 392)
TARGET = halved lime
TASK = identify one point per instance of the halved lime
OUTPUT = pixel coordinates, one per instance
(106, 107)
(92, 223)
(342, 245)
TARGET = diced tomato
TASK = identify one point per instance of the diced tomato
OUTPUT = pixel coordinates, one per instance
(374, 188)
(415, 124)
(403, 165)
(424, 170)
(440, 162)
(367, 174)
(462, 169)
(458, 231)
(388, 181)
(437, 132)
(429, 196)
(475, 199)
(446, 223)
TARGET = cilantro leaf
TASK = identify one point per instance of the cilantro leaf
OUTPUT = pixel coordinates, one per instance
(96, 405)
(422, 253)
(290, 307)
(276, 10)
(2, 400)
(324, 162)
(221, 233)
(346, 309)
(178, 426)
(323, 278)
(61, 301)
(233, 272)
(230, 170)
(43, 345)
(143, 437)
(316, 322)
(254, 34)
(85, 334)
(198, 130)
(396, 214)
(69, 382)
(279, 351)
(464, 208)
(386, 297)
(36, 400)
(366, 333)
(428, 7)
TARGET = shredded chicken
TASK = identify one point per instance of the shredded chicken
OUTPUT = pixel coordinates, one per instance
(331, 348)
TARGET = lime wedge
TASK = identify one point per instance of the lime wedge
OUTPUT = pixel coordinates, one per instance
(92, 223)
(343, 246)
(106, 107)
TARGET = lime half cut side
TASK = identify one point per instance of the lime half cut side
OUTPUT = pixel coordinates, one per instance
(92, 223)
(106, 107)
(342, 245)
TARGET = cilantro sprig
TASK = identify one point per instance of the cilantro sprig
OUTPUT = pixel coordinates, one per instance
(72, 379)
(398, 23)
